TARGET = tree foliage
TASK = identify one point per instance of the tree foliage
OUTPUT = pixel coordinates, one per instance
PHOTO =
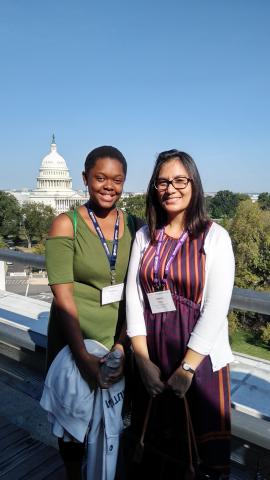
(134, 204)
(224, 203)
(264, 201)
(39, 248)
(250, 233)
(2, 242)
(9, 215)
(265, 333)
(36, 218)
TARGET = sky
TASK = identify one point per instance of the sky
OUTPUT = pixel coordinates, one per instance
(144, 76)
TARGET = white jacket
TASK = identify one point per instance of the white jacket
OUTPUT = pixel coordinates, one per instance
(210, 334)
(74, 410)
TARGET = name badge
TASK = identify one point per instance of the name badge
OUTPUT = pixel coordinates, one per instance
(112, 293)
(161, 302)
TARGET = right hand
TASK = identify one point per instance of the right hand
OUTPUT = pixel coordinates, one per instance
(89, 366)
(150, 375)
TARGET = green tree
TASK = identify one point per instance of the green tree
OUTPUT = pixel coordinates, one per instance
(9, 215)
(251, 241)
(263, 268)
(134, 204)
(39, 248)
(2, 242)
(36, 221)
(208, 204)
(223, 204)
(264, 201)
(265, 333)
(242, 196)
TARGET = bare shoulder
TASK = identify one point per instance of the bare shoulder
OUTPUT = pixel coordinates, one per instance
(82, 211)
(61, 227)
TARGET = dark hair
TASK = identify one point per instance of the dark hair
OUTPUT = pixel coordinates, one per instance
(102, 152)
(196, 217)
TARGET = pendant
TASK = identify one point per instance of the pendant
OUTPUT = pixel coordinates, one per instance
(113, 282)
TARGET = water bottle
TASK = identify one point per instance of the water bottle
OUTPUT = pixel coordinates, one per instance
(111, 364)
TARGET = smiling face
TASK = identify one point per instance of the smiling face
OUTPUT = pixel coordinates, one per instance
(174, 201)
(105, 182)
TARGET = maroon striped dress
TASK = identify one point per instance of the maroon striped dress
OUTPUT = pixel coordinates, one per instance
(167, 337)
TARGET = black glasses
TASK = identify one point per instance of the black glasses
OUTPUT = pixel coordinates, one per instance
(179, 183)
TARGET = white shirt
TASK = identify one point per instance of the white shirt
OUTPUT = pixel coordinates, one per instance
(75, 410)
(210, 334)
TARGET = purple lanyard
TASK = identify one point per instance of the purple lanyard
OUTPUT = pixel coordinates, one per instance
(159, 285)
(111, 256)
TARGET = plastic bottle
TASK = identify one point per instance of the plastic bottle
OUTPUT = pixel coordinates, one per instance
(112, 363)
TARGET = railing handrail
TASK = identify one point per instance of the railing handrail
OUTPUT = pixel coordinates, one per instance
(242, 299)
(20, 257)
(250, 300)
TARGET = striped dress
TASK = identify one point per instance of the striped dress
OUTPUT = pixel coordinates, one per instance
(167, 337)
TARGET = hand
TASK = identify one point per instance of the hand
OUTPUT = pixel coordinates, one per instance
(180, 382)
(89, 366)
(116, 375)
(150, 375)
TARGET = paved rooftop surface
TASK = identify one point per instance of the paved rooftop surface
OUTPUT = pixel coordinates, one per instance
(28, 451)
(250, 383)
(24, 424)
(23, 457)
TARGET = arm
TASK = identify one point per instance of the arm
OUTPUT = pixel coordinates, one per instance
(213, 317)
(181, 379)
(134, 297)
(149, 372)
(66, 307)
(217, 293)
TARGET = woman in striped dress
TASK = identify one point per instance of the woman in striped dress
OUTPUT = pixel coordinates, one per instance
(179, 287)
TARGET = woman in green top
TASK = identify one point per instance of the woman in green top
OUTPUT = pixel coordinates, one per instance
(86, 252)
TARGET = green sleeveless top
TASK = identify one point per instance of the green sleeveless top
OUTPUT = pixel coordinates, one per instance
(83, 262)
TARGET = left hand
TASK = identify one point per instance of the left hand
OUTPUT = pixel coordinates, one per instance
(117, 374)
(180, 382)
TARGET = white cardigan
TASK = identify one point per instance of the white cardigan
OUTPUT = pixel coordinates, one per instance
(73, 410)
(210, 334)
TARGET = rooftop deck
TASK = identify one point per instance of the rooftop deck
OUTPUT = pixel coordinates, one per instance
(23, 457)
(27, 449)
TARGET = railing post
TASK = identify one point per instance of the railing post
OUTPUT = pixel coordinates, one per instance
(2, 276)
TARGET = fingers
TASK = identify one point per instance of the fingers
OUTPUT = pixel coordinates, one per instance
(154, 390)
(179, 390)
(179, 395)
(116, 375)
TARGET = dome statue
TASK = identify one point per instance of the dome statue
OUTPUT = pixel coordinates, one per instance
(53, 172)
(54, 183)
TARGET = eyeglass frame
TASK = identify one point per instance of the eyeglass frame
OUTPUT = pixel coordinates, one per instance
(170, 182)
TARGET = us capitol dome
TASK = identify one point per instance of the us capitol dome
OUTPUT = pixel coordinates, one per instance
(54, 184)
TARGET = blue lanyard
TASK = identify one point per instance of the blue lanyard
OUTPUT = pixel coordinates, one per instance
(111, 256)
(159, 285)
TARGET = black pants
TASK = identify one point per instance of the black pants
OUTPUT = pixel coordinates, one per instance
(71, 451)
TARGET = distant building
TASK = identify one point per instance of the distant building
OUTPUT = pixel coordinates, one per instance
(131, 194)
(253, 197)
(54, 185)
(209, 194)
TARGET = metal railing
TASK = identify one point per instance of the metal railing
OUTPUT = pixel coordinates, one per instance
(20, 257)
(250, 300)
(242, 299)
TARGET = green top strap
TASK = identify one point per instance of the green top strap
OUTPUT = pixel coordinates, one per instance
(75, 222)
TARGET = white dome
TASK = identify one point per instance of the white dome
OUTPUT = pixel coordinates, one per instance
(53, 160)
(53, 173)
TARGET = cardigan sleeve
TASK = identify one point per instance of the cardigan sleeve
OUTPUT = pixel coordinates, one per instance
(217, 293)
(134, 297)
